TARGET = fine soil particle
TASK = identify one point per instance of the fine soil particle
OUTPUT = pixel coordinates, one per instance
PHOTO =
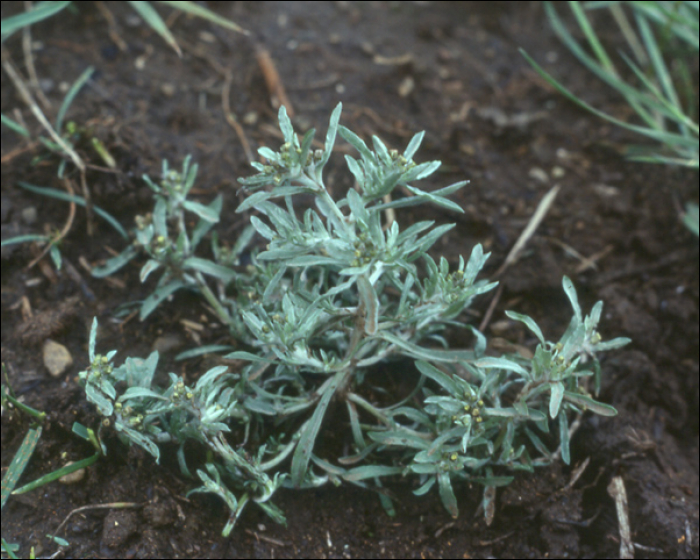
(47, 323)
(453, 70)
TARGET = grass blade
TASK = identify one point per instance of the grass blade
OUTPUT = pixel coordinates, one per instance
(25, 239)
(151, 17)
(43, 11)
(660, 136)
(18, 128)
(19, 463)
(55, 475)
(204, 13)
(72, 92)
(79, 200)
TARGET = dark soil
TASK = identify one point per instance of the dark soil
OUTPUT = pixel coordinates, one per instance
(451, 69)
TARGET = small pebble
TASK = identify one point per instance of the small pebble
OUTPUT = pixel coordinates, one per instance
(29, 215)
(74, 477)
(57, 358)
(167, 343)
(406, 86)
(538, 174)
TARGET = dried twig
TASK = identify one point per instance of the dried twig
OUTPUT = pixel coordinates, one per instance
(29, 61)
(537, 217)
(617, 492)
(112, 26)
(7, 158)
(586, 262)
(270, 540)
(231, 117)
(278, 96)
(112, 505)
(63, 232)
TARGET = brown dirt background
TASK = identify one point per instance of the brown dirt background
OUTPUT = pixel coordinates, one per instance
(452, 69)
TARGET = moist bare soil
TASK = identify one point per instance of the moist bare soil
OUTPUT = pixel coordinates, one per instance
(453, 70)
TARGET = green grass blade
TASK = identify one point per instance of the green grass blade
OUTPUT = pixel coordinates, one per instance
(653, 103)
(25, 239)
(657, 61)
(664, 107)
(204, 13)
(9, 396)
(72, 92)
(55, 475)
(590, 34)
(659, 159)
(682, 20)
(42, 11)
(659, 136)
(18, 128)
(151, 17)
(10, 549)
(79, 200)
(691, 219)
(623, 22)
(608, 75)
(19, 463)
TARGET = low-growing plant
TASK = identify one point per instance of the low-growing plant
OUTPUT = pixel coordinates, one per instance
(338, 291)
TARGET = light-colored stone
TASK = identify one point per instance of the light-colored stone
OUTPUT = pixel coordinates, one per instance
(57, 358)
(73, 477)
(167, 342)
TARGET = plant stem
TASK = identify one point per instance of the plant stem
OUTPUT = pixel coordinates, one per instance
(213, 301)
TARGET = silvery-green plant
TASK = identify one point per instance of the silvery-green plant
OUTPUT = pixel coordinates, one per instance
(165, 238)
(150, 416)
(338, 291)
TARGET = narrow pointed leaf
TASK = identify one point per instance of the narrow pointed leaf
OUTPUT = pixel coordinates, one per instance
(590, 404)
(305, 447)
